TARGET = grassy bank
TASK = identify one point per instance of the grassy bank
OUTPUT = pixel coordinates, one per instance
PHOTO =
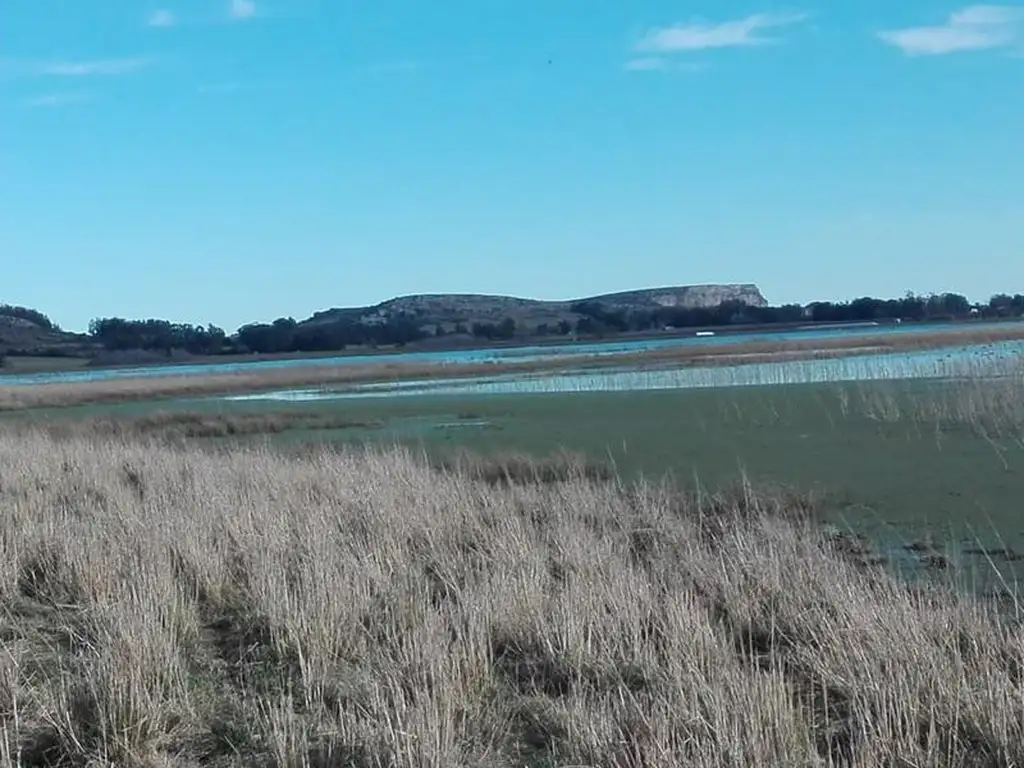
(176, 607)
(145, 388)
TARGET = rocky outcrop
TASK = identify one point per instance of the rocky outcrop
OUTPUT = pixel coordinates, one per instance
(453, 310)
(686, 297)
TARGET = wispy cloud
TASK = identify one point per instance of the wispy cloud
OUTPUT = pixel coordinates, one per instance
(975, 28)
(646, 64)
(662, 64)
(162, 18)
(95, 67)
(700, 36)
(55, 100)
(242, 9)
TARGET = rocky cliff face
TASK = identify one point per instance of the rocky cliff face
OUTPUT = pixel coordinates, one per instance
(686, 297)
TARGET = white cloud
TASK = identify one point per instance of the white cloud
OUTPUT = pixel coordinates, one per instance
(96, 67)
(662, 64)
(646, 64)
(242, 9)
(54, 100)
(162, 18)
(699, 36)
(975, 28)
(988, 14)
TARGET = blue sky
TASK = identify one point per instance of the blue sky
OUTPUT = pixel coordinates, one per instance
(230, 161)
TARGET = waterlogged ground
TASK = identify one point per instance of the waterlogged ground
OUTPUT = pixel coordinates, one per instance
(930, 364)
(471, 357)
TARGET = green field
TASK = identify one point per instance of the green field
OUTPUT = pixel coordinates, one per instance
(896, 480)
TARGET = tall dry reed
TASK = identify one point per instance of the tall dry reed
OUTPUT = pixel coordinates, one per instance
(171, 607)
(987, 399)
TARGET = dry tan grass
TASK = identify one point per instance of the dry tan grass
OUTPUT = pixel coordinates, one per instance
(509, 468)
(176, 426)
(171, 607)
(179, 386)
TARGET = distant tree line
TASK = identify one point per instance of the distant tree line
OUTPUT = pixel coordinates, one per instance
(117, 334)
(502, 331)
(594, 318)
(282, 335)
(946, 306)
(286, 335)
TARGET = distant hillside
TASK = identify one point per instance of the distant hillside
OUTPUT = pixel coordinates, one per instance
(458, 320)
(27, 336)
(425, 319)
(450, 311)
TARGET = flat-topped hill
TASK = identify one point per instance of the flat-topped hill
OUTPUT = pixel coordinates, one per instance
(452, 309)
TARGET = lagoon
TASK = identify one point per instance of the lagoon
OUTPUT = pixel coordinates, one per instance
(492, 355)
(991, 360)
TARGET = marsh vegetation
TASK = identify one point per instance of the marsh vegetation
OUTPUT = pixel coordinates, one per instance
(630, 579)
(762, 361)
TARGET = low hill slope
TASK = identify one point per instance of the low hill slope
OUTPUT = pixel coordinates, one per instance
(22, 336)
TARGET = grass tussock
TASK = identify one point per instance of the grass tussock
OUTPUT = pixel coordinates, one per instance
(171, 607)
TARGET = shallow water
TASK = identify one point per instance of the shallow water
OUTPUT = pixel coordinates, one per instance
(928, 364)
(478, 356)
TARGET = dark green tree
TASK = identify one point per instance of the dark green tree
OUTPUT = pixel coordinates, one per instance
(483, 330)
(506, 329)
